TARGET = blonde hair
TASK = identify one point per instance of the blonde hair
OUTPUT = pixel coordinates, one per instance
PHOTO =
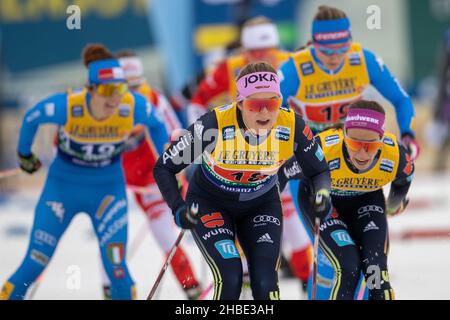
(257, 21)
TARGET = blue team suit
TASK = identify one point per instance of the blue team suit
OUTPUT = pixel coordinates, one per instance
(85, 176)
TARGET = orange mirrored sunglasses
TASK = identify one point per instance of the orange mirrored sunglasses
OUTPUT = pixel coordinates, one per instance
(356, 145)
(257, 105)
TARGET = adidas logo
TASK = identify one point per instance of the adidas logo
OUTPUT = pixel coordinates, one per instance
(265, 238)
(371, 226)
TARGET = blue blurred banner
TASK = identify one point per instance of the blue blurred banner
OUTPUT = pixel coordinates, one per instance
(35, 34)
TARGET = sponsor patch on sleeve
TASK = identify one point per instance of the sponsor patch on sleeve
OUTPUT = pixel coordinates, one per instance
(387, 165)
(354, 59)
(285, 108)
(225, 107)
(319, 153)
(388, 141)
(332, 140)
(124, 110)
(282, 133)
(77, 111)
(307, 68)
(228, 133)
(334, 164)
(49, 109)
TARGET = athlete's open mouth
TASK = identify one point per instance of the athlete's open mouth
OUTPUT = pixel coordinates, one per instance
(263, 122)
(361, 162)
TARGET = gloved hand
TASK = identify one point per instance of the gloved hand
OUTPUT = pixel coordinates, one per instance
(400, 209)
(411, 145)
(30, 163)
(185, 218)
(135, 139)
(322, 204)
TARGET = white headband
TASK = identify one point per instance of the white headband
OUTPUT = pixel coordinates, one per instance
(260, 36)
(132, 67)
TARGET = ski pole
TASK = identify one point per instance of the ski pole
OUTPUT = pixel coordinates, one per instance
(316, 251)
(194, 210)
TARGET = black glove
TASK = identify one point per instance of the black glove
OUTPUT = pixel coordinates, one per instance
(185, 218)
(30, 163)
(322, 204)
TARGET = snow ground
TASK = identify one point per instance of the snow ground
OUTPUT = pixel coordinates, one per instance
(418, 266)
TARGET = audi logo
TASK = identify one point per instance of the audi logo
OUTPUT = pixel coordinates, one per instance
(370, 208)
(265, 218)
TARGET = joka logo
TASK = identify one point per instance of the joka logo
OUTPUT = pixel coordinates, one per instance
(308, 133)
(227, 249)
(212, 220)
(268, 77)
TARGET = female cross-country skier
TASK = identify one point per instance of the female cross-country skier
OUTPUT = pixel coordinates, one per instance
(362, 158)
(138, 163)
(86, 174)
(260, 41)
(234, 189)
(323, 79)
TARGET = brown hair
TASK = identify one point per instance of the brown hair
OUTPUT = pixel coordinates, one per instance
(329, 13)
(94, 52)
(259, 66)
(125, 53)
(306, 45)
(367, 104)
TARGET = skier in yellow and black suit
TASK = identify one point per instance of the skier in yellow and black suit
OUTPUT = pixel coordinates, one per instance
(243, 145)
(362, 158)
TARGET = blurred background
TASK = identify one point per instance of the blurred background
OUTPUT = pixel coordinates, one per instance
(40, 53)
